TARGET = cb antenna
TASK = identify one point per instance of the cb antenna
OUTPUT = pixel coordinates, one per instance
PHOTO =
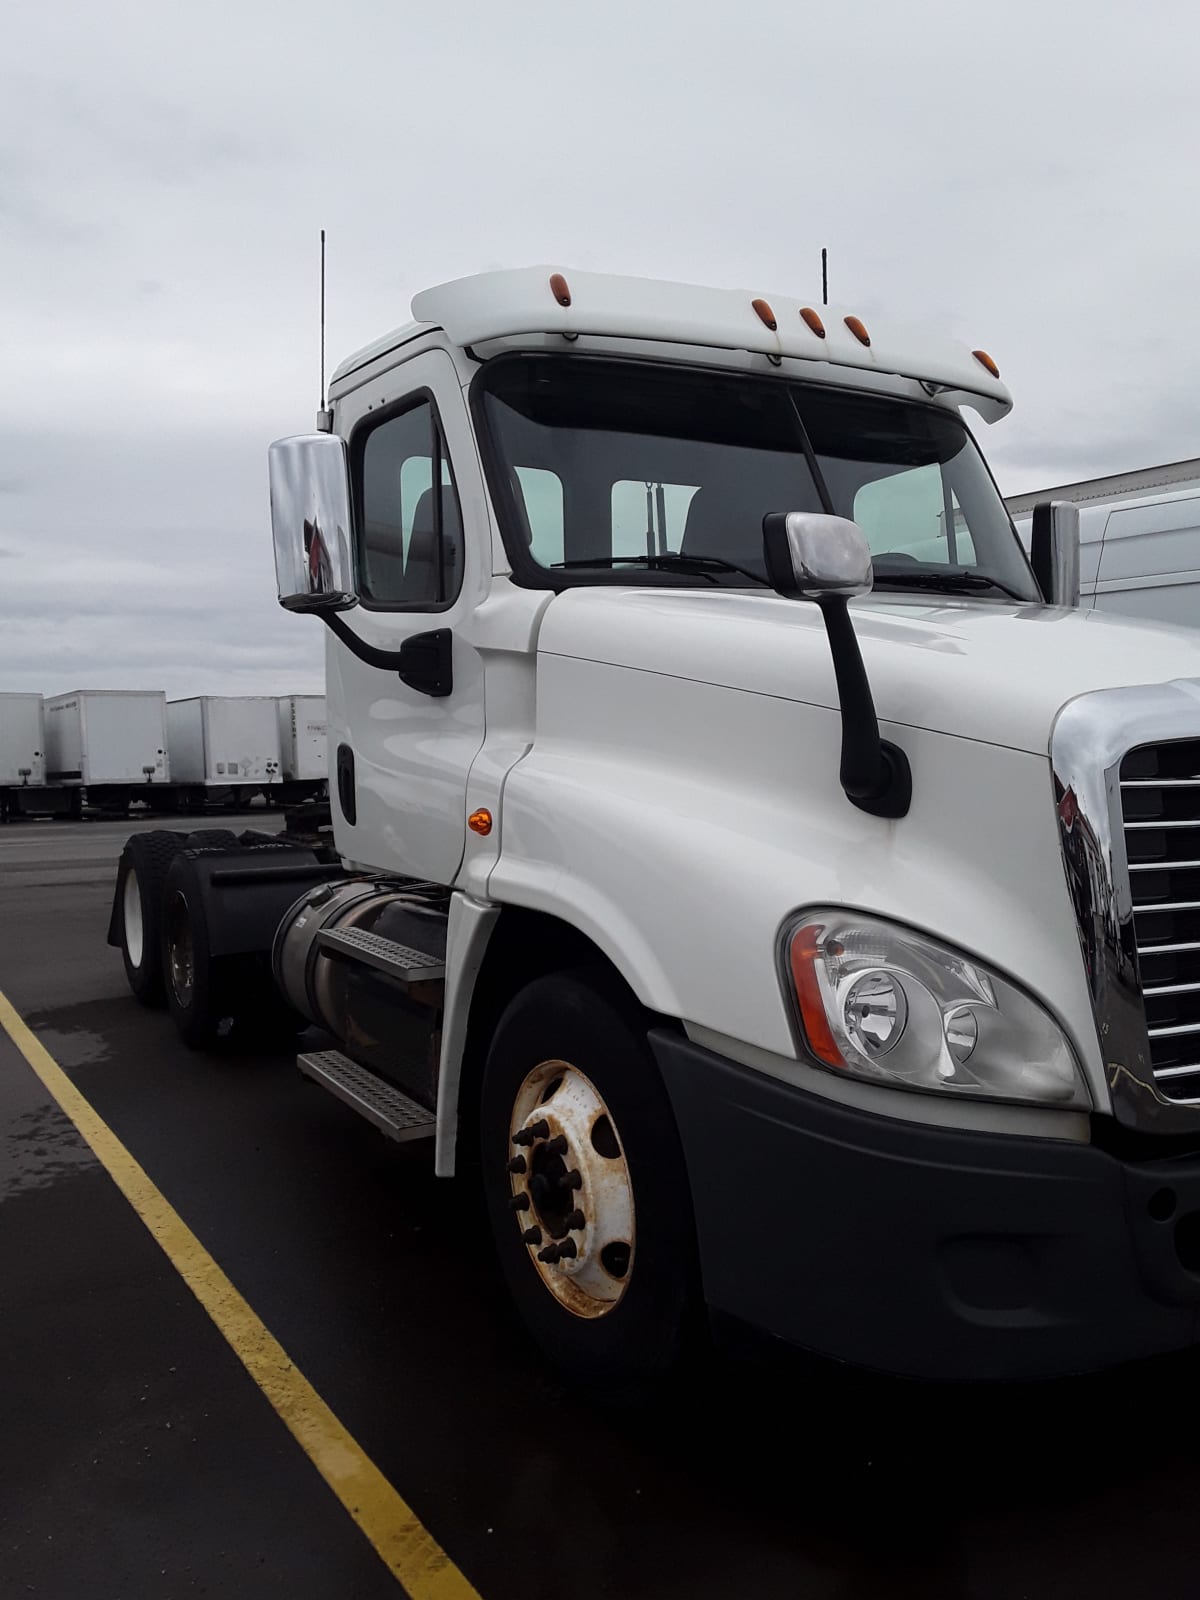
(824, 279)
(324, 412)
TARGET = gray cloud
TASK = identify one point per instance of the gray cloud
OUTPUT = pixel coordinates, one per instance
(1010, 175)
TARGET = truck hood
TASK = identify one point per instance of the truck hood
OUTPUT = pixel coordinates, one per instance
(985, 670)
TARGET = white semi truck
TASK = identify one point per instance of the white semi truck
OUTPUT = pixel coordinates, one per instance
(740, 855)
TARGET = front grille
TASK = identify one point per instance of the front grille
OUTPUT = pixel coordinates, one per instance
(1160, 806)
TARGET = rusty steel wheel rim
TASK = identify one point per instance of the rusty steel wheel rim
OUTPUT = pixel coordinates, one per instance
(572, 1198)
(180, 950)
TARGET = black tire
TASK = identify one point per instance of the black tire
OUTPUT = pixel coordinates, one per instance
(586, 1018)
(201, 992)
(213, 839)
(141, 874)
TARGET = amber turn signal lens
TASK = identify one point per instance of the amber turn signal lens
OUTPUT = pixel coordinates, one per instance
(765, 313)
(812, 321)
(480, 822)
(985, 360)
(857, 329)
(803, 955)
(558, 288)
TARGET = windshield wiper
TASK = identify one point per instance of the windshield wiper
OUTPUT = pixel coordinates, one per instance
(952, 581)
(667, 561)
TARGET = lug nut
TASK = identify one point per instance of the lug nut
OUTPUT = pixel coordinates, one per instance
(517, 1164)
(540, 1129)
(532, 1235)
(523, 1136)
(567, 1249)
(558, 1146)
(577, 1219)
(571, 1180)
(519, 1202)
(550, 1254)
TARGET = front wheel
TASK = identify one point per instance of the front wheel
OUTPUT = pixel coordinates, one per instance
(585, 1181)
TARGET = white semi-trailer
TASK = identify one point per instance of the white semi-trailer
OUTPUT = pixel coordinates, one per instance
(23, 788)
(742, 856)
(304, 746)
(224, 748)
(108, 744)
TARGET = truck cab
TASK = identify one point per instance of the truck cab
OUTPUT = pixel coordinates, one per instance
(778, 891)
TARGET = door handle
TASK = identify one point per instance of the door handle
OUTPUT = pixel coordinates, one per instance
(427, 662)
(346, 792)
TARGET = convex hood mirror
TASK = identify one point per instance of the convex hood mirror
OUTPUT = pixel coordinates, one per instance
(810, 555)
(827, 559)
(1055, 551)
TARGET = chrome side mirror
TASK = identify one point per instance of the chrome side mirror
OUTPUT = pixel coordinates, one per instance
(827, 559)
(809, 555)
(310, 523)
(1054, 551)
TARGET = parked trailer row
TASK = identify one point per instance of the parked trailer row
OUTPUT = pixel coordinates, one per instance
(110, 747)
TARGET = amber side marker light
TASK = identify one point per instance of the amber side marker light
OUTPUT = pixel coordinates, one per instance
(857, 329)
(765, 313)
(985, 360)
(803, 956)
(480, 822)
(558, 288)
(812, 321)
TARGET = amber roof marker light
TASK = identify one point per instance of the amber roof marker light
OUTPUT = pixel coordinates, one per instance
(765, 314)
(812, 321)
(985, 360)
(857, 329)
(559, 289)
(480, 821)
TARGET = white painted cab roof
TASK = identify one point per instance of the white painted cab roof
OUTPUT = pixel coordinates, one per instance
(519, 302)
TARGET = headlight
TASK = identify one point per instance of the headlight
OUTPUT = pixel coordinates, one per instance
(878, 1002)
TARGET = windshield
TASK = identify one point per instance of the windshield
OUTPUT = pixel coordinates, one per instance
(610, 469)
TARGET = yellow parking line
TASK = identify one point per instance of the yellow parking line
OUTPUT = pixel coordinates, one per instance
(402, 1542)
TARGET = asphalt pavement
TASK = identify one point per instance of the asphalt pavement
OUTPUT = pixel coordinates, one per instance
(138, 1458)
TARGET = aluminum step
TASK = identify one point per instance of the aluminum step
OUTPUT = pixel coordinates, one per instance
(385, 955)
(389, 1108)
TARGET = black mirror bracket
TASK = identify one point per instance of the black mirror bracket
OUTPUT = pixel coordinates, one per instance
(424, 661)
(875, 773)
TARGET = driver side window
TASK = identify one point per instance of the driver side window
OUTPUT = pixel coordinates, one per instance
(410, 550)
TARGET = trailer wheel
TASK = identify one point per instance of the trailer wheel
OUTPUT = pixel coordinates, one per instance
(138, 910)
(585, 1181)
(201, 991)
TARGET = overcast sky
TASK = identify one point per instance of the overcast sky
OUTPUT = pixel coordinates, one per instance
(1023, 175)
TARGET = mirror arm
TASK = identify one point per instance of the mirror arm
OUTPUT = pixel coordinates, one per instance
(385, 660)
(424, 661)
(875, 774)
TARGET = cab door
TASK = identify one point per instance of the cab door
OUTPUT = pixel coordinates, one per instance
(401, 746)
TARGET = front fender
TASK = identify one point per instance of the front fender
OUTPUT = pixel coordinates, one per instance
(679, 824)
